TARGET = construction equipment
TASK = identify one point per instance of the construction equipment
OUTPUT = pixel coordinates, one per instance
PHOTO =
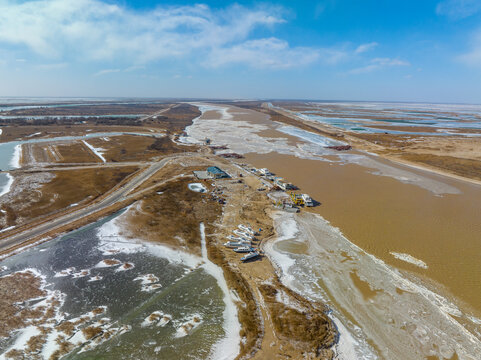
(297, 199)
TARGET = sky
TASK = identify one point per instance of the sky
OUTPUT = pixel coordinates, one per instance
(372, 50)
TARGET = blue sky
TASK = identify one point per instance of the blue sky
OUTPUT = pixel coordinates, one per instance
(332, 49)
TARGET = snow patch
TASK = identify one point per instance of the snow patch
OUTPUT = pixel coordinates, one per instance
(108, 263)
(190, 325)
(409, 259)
(157, 318)
(228, 347)
(97, 151)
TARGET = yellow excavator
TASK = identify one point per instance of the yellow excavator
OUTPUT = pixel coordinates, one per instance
(297, 199)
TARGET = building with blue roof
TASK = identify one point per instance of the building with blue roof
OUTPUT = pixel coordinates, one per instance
(217, 173)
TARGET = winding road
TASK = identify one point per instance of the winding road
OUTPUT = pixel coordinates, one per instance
(119, 194)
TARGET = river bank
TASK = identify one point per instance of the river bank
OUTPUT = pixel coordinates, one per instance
(396, 214)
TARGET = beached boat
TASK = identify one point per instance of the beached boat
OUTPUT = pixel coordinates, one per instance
(307, 200)
(246, 229)
(236, 238)
(235, 244)
(250, 256)
(244, 249)
(264, 172)
(243, 234)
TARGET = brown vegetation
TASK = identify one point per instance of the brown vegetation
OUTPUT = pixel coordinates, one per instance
(111, 262)
(95, 109)
(18, 132)
(176, 119)
(16, 289)
(172, 215)
(125, 147)
(448, 154)
(91, 331)
(65, 189)
(248, 312)
(462, 167)
(137, 148)
(62, 152)
(304, 325)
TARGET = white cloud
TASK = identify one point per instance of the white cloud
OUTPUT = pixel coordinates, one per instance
(365, 47)
(110, 71)
(65, 31)
(379, 63)
(270, 53)
(473, 57)
(51, 66)
(100, 31)
(134, 68)
(94, 30)
(458, 9)
(106, 71)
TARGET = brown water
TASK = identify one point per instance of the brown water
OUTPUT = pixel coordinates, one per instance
(436, 222)
(383, 215)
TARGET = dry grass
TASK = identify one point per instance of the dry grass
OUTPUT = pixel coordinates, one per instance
(35, 343)
(248, 313)
(137, 148)
(125, 148)
(91, 331)
(77, 185)
(16, 132)
(173, 169)
(92, 110)
(14, 289)
(71, 152)
(98, 311)
(66, 188)
(388, 141)
(462, 167)
(67, 327)
(76, 152)
(176, 119)
(306, 327)
(111, 262)
(173, 216)
(249, 207)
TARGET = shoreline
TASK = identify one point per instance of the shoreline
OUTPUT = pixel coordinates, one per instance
(326, 130)
(286, 265)
(8, 186)
(254, 275)
(15, 163)
(429, 169)
(344, 348)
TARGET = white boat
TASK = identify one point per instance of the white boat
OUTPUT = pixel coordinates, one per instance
(250, 256)
(236, 244)
(307, 200)
(243, 234)
(236, 238)
(246, 229)
(244, 249)
(265, 172)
